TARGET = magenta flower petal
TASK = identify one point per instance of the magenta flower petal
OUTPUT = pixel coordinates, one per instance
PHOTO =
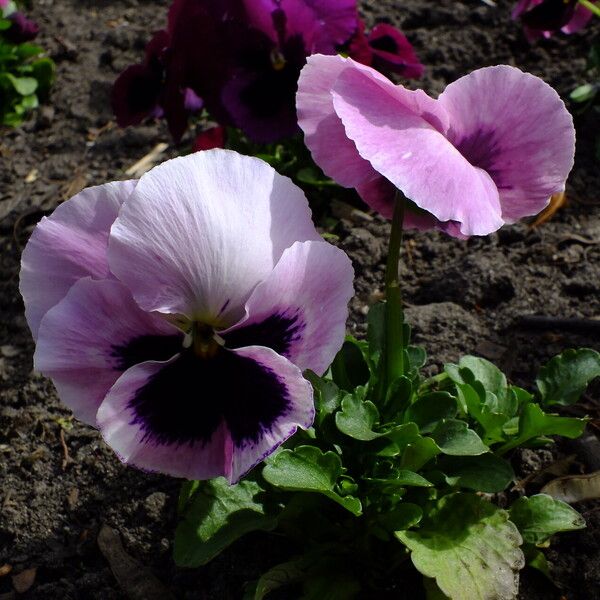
(300, 310)
(246, 403)
(21, 30)
(515, 127)
(68, 245)
(94, 334)
(392, 52)
(415, 156)
(201, 231)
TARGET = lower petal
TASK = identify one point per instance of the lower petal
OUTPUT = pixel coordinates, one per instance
(94, 334)
(203, 418)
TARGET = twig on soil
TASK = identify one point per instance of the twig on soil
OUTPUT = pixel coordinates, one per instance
(67, 460)
(573, 324)
(146, 162)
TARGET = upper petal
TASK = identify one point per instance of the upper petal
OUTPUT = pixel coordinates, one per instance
(92, 336)
(300, 310)
(69, 245)
(516, 127)
(201, 231)
(401, 134)
(324, 133)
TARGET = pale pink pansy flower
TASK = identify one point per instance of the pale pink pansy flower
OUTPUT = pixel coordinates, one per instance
(491, 149)
(176, 313)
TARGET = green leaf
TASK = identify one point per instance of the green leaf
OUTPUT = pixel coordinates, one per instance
(310, 176)
(417, 357)
(430, 409)
(403, 516)
(43, 70)
(488, 374)
(23, 85)
(217, 515)
(398, 396)
(454, 438)
(24, 51)
(376, 328)
(583, 93)
(331, 584)
(307, 469)
(349, 368)
(279, 576)
(469, 547)
(541, 516)
(566, 376)
(4, 24)
(484, 473)
(419, 453)
(402, 478)
(533, 422)
(357, 419)
(327, 395)
(535, 558)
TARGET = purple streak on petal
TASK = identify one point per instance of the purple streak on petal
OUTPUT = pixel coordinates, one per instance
(581, 17)
(185, 244)
(300, 310)
(91, 336)
(68, 245)
(242, 402)
(516, 127)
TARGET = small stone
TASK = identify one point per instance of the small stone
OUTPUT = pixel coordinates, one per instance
(155, 504)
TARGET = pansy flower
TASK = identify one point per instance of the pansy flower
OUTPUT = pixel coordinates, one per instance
(491, 149)
(176, 313)
(155, 89)
(386, 49)
(21, 29)
(545, 17)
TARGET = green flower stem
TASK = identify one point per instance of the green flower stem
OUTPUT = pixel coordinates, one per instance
(590, 6)
(393, 358)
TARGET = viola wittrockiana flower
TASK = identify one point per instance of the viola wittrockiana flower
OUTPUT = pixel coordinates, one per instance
(385, 49)
(176, 313)
(21, 29)
(490, 150)
(545, 17)
(243, 58)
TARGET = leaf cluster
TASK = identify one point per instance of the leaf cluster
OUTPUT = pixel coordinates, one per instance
(25, 78)
(388, 474)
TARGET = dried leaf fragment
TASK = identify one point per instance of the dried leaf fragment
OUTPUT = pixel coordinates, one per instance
(24, 580)
(574, 488)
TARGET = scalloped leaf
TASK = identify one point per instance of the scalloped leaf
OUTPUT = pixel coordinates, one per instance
(469, 547)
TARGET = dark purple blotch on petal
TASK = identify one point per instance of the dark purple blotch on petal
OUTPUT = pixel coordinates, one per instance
(480, 149)
(146, 347)
(277, 332)
(187, 400)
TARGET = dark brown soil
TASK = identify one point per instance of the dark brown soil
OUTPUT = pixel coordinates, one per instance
(463, 298)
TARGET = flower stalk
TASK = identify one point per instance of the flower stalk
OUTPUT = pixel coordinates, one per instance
(393, 359)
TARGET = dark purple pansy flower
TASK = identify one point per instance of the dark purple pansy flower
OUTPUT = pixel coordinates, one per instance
(213, 137)
(176, 313)
(385, 49)
(545, 17)
(21, 30)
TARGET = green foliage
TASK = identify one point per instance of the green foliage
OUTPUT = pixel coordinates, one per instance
(541, 516)
(25, 79)
(385, 473)
(469, 547)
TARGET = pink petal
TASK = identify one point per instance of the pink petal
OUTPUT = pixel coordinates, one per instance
(514, 126)
(94, 334)
(401, 133)
(201, 231)
(190, 428)
(580, 19)
(300, 310)
(323, 129)
(69, 245)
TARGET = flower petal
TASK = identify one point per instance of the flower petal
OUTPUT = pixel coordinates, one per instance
(323, 129)
(244, 404)
(516, 127)
(201, 231)
(300, 311)
(94, 334)
(401, 134)
(69, 245)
